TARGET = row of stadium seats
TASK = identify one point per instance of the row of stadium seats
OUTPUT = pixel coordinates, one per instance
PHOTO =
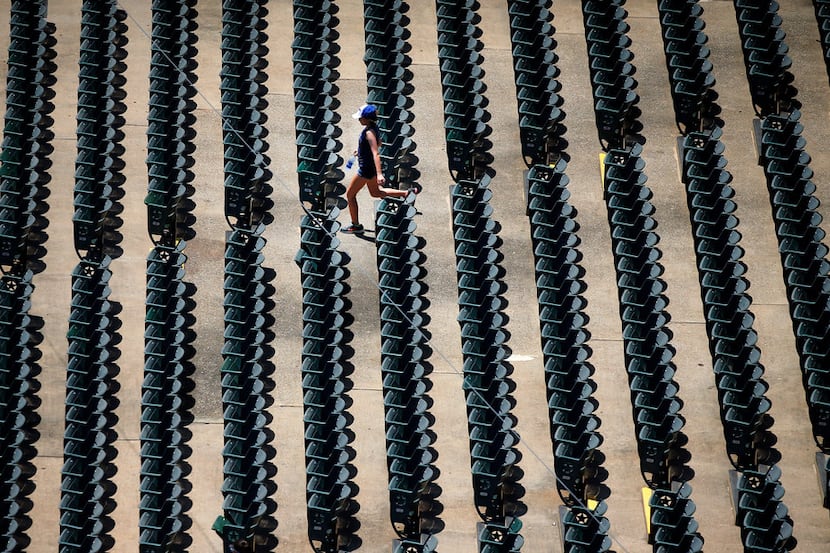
(465, 106)
(783, 156)
(247, 173)
(99, 178)
(20, 336)
(729, 322)
(405, 368)
(766, 58)
(170, 122)
(487, 384)
(389, 88)
(568, 370)
(247, 369)
(166, 402)
(87, 486)
(689, 69)
(575, 438)
(574, 426)
(331, 507)
(25, 162)
(315, 73)
(803, 256)
(656, 407)
(744, 407)
(326, 371)
(647, 338)
(541, 130)
(27, 137)
(612, 73)
(247, 384)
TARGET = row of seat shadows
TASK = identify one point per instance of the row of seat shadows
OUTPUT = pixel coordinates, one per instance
(247, 369)
(24, 183)
(487, 382)
(656, 406)
(87, 486)
(744, 407)
(782, 155)
(574, 426)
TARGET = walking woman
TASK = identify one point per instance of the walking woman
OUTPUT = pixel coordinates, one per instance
(369, 170)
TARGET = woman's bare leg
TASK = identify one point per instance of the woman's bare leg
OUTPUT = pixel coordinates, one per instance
(377, 191)
(355, 185)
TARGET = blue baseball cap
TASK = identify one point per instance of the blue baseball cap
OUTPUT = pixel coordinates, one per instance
(366, 111)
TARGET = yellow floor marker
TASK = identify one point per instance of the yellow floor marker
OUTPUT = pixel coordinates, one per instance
(646, 491)
(602, 169)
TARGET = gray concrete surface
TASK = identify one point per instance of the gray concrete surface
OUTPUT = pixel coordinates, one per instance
(541, 529)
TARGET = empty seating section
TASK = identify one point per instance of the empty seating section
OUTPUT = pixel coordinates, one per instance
(656, 406)
(783, 156)
(465, 105)
(25, 162)
(315, 73)
(822, 9)
(87, 486)
(569, 387)
(689, 69)
(744, 407)
(487, 384)
(99, 178)
(88, 472)
(766, 57)
(389, 88)
(167, 389)
(611, 71)
(405, 368)
(247, 384)
(326, 371)
(20, 336)
(247, 369)
(541, 127)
